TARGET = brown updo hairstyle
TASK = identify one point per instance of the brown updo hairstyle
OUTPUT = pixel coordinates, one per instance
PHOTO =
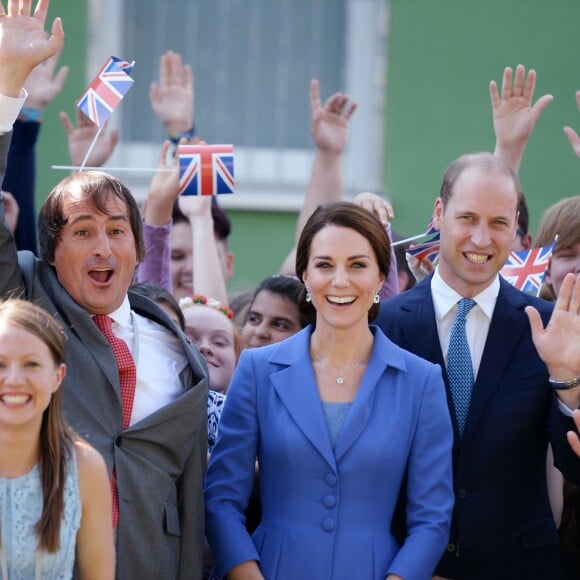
(343, 214)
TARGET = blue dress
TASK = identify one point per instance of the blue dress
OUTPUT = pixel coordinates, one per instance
(20, 509)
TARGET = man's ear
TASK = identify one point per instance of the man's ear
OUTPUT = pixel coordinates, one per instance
(437, 213)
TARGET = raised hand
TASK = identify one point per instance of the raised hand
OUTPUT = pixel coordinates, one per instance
(514, 116)
(172, 99)
(81, 137)
(376, 205)
(42, 85)
(559, 343)
(24, 43)
(164, 189)
(571, 134)
(329, 126)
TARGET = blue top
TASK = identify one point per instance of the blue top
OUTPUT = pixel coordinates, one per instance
(335, 414)
(20, 509)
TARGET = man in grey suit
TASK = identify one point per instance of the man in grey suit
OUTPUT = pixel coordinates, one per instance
(91, 243)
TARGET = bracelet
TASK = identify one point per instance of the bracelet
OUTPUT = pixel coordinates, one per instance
(564, 385)
(175, 137)
(31, 115)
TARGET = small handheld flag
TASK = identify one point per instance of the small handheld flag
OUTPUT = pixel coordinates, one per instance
(206, 169)
(428, 250)
(106, 90)
(526, 269)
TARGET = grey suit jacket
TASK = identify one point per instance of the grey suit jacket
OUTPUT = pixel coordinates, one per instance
(160, 461)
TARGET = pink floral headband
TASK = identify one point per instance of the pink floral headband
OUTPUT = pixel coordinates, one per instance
(188, 301)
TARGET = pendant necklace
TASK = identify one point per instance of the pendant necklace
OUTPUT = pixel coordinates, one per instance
(339, 379)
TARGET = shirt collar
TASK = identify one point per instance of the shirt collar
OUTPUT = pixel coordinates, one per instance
(445, 297)
(122, 316)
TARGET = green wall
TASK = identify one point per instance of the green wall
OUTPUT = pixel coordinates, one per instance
(52, 145)
(260, 241)
(441, 56)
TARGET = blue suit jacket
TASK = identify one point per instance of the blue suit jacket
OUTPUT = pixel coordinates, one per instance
(500, 464)
(327, 513)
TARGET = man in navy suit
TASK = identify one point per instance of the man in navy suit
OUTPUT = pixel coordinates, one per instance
(503, 526)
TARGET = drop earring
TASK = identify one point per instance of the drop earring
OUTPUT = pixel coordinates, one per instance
(308, 296)
(376, 298)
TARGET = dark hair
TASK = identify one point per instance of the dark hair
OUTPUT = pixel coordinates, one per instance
(222, 226)
(401, 257)
(161, 296)
(485, 161)
(97, 187)
(347, 215)
(56, 438)
(289, 287)
(523, 216)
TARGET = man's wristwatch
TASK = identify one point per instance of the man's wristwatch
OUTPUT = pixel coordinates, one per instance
(564, 385)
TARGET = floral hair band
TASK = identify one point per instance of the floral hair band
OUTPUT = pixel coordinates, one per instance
(188, 301)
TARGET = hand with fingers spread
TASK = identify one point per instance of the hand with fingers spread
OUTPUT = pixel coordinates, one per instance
(172, 98)
(43, 85)
(329, 126)
(559, 343)
(514, 116)
(24, 43)
(571, 134)
(81, 137)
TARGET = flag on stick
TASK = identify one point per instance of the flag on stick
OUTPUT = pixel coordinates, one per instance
(206, 169)
(106, 90)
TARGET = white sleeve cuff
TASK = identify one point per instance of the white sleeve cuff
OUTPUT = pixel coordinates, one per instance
(565, 409)
(10, 109)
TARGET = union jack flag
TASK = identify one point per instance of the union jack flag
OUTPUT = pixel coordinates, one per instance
(106, 90)
(428, 250)
(525, 270)
(206, 169)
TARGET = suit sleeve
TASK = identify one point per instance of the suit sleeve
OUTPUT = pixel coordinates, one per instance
(191, 496)
(10, 276)
(231, 470)
(430, 495)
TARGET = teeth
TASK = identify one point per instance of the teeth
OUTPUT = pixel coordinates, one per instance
(15, 399)
(341, 299)
(476, 258)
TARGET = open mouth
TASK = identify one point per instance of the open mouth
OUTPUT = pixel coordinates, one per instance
(101, 276)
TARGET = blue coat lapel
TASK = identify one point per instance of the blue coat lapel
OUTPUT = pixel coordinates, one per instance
(384, 354)
(295, 384)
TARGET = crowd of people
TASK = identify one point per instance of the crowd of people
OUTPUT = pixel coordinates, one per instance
(337, 422)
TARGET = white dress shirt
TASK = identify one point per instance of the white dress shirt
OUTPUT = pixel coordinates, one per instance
(478, 320)
(159, 359)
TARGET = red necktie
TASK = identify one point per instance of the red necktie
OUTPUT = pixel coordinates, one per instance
(128, 380)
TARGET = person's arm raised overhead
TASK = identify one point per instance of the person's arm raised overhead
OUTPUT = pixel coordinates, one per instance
(329, 129)
(514, 116)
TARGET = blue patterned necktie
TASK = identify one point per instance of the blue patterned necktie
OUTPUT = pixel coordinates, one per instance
(459, 366)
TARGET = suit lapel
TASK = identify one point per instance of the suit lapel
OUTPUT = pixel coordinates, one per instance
(384, 354)
(418, 325)
(295, 384)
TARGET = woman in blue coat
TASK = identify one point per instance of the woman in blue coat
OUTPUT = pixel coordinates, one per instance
(337, 416)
